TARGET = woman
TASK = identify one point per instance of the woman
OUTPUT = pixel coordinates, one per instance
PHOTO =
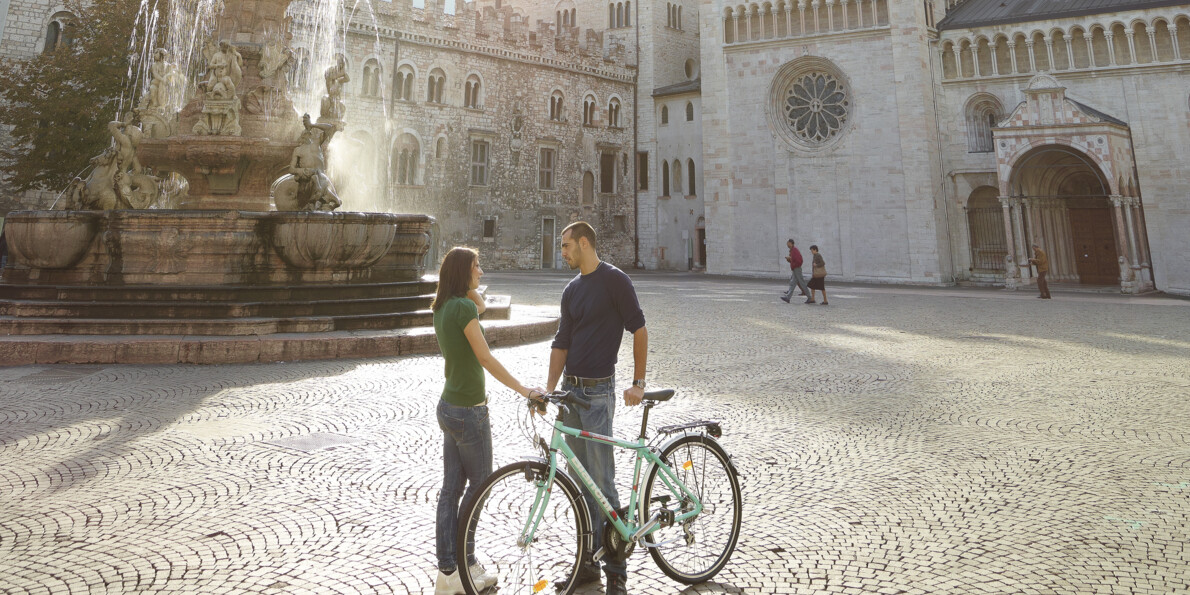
(818, 277)
(462, 410)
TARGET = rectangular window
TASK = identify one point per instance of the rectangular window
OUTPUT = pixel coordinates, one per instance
(479, 163)
(489, 228)
(607, 172)
(621, 222)
(545, 170)
(642, 170)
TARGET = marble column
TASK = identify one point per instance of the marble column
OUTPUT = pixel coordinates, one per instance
(1012, 55)
(1022, 249)
(995, 59)
(1032, 56)
(1173, 37)
(1111, 48)
(1122, 236)
(1011, 271)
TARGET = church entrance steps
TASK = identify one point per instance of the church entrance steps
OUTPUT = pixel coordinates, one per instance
(524, 324)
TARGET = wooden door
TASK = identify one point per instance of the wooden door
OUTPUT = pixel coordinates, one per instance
(702, 247)
(547, 243)
(1094, 246)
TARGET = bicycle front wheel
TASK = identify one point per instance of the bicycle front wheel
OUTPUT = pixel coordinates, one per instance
(695, 550)
(491, 552)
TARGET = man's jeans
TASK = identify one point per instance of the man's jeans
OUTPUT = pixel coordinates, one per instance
(466, 461)
(797, 281)
(597, 458)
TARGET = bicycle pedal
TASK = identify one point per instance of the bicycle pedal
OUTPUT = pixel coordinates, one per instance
(598, 555)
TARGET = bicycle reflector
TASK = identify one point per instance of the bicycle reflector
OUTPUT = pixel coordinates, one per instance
(540, 586)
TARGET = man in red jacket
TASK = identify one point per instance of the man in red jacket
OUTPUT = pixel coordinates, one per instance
(795, 264)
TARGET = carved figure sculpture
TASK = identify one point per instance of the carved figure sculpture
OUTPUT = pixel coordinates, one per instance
(275, 62)
(156, 108)
(108, 187)
(221, 105)
(307, 187)
(332, 104)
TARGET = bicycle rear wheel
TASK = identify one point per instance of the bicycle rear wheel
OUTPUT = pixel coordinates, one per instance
(491, 524)
(694, 551)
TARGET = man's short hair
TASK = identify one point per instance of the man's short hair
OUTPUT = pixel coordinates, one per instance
(581, 229)
(790, 241)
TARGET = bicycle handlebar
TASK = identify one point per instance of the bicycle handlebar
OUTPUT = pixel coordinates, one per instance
(560, 398)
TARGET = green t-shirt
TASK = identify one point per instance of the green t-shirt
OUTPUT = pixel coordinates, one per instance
(464, 376)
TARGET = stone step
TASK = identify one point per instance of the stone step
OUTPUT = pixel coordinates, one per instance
(245, 293)
(133, 310)
(499, 308)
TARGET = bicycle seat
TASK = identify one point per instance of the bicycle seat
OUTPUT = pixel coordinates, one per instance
(659, 395)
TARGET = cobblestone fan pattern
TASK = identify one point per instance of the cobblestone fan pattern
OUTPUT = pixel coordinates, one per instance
(900, 440)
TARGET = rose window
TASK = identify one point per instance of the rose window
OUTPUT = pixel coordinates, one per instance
(816, 107)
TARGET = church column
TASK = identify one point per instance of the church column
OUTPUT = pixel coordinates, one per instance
(1131, 46)
(958, 60)
(830, 14)
(1010, 269)
(1012, 55)
(1090, 50)
(875, 13)
(1032, 56)
(1111, 48)
(1067, 240)
(1069, 54)
(843, 5)
(801, 8)
(975, 60)
(1018, 226)
(1122, 236)
(1142, 240)
(748, 24)
(815, 5)
(859, 14)
(1129, 203)
(995, 60)
(1049, 52)
(1173, 36)
(788, 18)
(1153, 44)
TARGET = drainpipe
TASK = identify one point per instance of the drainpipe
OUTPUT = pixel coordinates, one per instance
(635, 139)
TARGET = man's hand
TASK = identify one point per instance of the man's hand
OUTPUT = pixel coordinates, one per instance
(633, 396)
(787, 259)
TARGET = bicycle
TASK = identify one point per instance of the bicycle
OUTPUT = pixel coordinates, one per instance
(528, 525)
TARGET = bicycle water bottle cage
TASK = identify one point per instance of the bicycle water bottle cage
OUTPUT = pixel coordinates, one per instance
(711, 427)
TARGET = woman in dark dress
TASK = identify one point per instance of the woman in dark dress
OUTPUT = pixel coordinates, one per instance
(818, 277)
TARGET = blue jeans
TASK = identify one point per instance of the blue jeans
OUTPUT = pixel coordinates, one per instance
(796, 280)
(466, 461)
(597, 458)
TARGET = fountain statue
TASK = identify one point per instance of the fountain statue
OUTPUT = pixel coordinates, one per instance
(254, 247)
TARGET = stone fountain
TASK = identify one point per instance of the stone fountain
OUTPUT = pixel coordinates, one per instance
(255, 265)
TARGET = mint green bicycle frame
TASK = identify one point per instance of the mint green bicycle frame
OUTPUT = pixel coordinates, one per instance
(627, 528)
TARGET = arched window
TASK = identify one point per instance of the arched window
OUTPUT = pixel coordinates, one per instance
(679, 17)
(588, 188)
(677, 172)
(983, 113)
(59, 32)
(589, 107)
(689, 111)
(434, 86)
(372, 79)
(664, 178)
(556, 112)
(406, 156)
(665, 114)
(669, 15)
(472, 97)
(440, 148)
(627, 14)
(690, 185)
(611, 16)
(613, 113)
(404, 85)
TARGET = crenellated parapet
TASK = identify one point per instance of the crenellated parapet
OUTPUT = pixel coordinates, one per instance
(503, 32)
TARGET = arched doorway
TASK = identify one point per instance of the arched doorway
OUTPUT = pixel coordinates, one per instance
(700, 249)
(588, 188)
(985, 226)
(1066, 208)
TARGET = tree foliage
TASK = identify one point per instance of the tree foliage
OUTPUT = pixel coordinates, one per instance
(59, 102)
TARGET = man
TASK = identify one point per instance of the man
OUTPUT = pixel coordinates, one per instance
(795, 264)
(597, 307)
(1043, 266)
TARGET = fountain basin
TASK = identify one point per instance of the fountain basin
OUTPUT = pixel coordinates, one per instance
(51, 239)
(350, 241)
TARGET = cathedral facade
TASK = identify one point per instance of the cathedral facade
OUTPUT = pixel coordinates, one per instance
(914, 141)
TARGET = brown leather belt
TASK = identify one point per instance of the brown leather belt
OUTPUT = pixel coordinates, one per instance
(585, 382)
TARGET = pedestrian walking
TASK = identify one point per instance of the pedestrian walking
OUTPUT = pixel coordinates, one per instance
(817, 277)
(598, 305)
(1043, 268)
(795, 265)
(462, 408)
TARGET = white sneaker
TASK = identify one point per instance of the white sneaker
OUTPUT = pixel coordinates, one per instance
(449, 584)
(483, 579)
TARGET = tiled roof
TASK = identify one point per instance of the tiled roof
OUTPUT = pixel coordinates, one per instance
(980, 13)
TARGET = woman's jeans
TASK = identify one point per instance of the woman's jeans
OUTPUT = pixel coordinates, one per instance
(597, 458)
(466, 461)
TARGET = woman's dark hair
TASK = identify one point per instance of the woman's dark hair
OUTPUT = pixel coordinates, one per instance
(813, 247)
(454, 277)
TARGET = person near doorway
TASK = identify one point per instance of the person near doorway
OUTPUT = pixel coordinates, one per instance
(1043, 268)
(817, 277)
(795, 265)
(598, 305)
(462, 408)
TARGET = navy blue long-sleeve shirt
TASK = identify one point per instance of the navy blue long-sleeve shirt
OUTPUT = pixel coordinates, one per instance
(596, 310)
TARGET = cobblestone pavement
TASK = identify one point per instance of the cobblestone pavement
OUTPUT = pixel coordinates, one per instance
(911, 440)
